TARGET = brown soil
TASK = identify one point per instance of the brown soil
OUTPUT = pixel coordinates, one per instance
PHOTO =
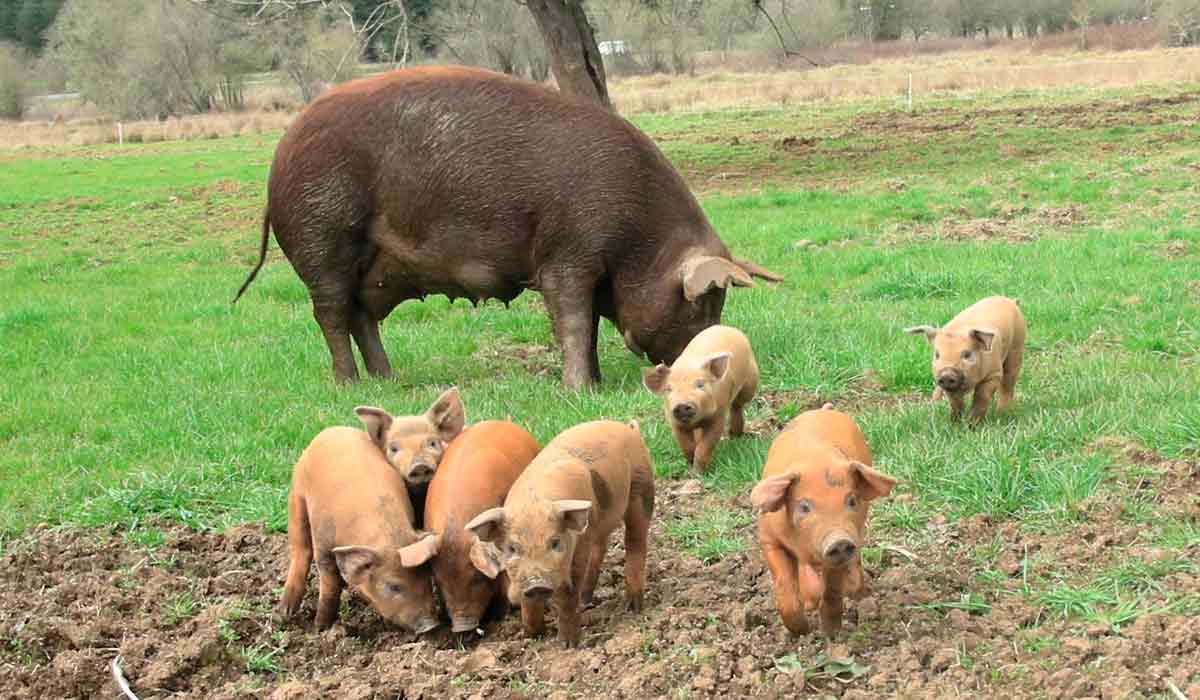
(73, 600)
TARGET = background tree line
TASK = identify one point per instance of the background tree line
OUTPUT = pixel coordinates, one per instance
(153, 58)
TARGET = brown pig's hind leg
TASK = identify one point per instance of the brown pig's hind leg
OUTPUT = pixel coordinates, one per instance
(983, 399)
(1008, 384)
(300, 554)
(637, 535)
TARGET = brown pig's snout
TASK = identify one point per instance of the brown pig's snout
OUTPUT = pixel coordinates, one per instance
(951, 379)
(462, 625)
(839, 548)
(425, 624)
(537, 589)
(421, 472)
(684, 412)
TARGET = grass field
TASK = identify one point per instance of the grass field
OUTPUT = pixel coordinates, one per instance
(134, 392)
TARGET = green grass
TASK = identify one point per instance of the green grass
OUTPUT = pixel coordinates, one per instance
(134, 391)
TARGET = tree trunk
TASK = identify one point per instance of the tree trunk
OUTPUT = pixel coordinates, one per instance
(574, 58)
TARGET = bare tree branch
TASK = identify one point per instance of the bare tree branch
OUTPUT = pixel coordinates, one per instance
(758, 5)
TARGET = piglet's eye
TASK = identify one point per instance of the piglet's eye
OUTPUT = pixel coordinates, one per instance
(432, 443)
(851, 501)
(556, 544)
(802, 508)
(393, 449)
(937, 355)
(967, 355)
(395, 589)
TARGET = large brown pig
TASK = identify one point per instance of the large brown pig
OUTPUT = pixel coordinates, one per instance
(413, 445)
(464, 182)
(350, 509)
(816, 488)
(554, 527)
(476, 474)
(707, 386)
(977, 352)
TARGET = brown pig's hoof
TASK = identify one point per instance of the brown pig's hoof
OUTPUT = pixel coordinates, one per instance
(635, 603)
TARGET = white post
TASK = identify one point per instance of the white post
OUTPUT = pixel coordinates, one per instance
(120, 134)
(910, 92)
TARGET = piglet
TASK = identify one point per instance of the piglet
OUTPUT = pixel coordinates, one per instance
(707, 386)
(813, 498)
(349, 508)
(552, 532)
(414, 444)
(475, 475)
(978, 352)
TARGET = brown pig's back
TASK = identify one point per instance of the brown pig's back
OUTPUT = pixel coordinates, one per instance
(821, 435)
(350, 489)
(1000, 313)
(477, 472)
(591, 461)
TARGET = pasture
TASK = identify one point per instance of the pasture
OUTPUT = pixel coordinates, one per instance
(148, 428)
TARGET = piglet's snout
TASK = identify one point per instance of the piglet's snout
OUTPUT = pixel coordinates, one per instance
(684, 412)
(424, 625)
(464, 624)
(839, 548)
(951, 379)
(420, 472)
(537, 590)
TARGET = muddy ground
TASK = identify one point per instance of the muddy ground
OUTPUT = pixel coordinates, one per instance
(190, 619)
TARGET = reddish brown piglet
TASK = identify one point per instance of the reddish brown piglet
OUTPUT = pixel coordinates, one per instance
(350, 510)
(554, 527)
(817, 486)
(475, 475)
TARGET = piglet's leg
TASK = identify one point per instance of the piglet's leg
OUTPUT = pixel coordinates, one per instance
(983, 399)
(856, 584)
(687, 443)
(812, 586)
(594, 559)
(329, 596)
(957, 403)
(831, 603)
(568, 615)
(710, 435)
(533, 616)
(637, 535)
(787, 593)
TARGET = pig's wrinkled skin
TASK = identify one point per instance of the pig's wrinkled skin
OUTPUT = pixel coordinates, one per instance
(349, 508)
(464, 182)
(475, 475)
(816, 488)
(979, 352)
(553, 530)
(414, 445)
(707, 387)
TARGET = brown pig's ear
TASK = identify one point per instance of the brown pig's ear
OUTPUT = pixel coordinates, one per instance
(486, 558)
(377, 422)
(420, 551)
(574, 513)
(355, 562)
(983, 336)
(769, 495)
(447, 415)
(655, 379)
(872, 484)
(487, 525)
(756, 270)
(718, 365)
(928, 331)
(702, 273)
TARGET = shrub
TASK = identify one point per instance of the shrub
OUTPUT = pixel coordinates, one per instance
(14, 81)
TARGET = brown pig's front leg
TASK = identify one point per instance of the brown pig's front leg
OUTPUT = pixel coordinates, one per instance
(710, 435)
(958, 402)
(687, 442)
(984, 392)
(831, 602)
(787, 593)
(533, 616)
(567, 598)
(329, 596)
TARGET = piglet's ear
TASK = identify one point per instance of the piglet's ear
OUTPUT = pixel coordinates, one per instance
(420, 551)
(655, 379)
(928, 331)
(487, 525)
(355, 563)
(447, 415)
(983, 336)
(486, 558)
(377, 422)
(718, 365)
(769, 494)
(574, 513)
(871, 484)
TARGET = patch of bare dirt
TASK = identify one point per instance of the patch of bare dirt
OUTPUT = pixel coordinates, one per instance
(72, 600)
(1174, 249)
(540, 360)
(1011, 224)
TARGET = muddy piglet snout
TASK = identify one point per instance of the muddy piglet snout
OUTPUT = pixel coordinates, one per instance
(951, 380)
(537, 590)
(421, 472)
(839, 548)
